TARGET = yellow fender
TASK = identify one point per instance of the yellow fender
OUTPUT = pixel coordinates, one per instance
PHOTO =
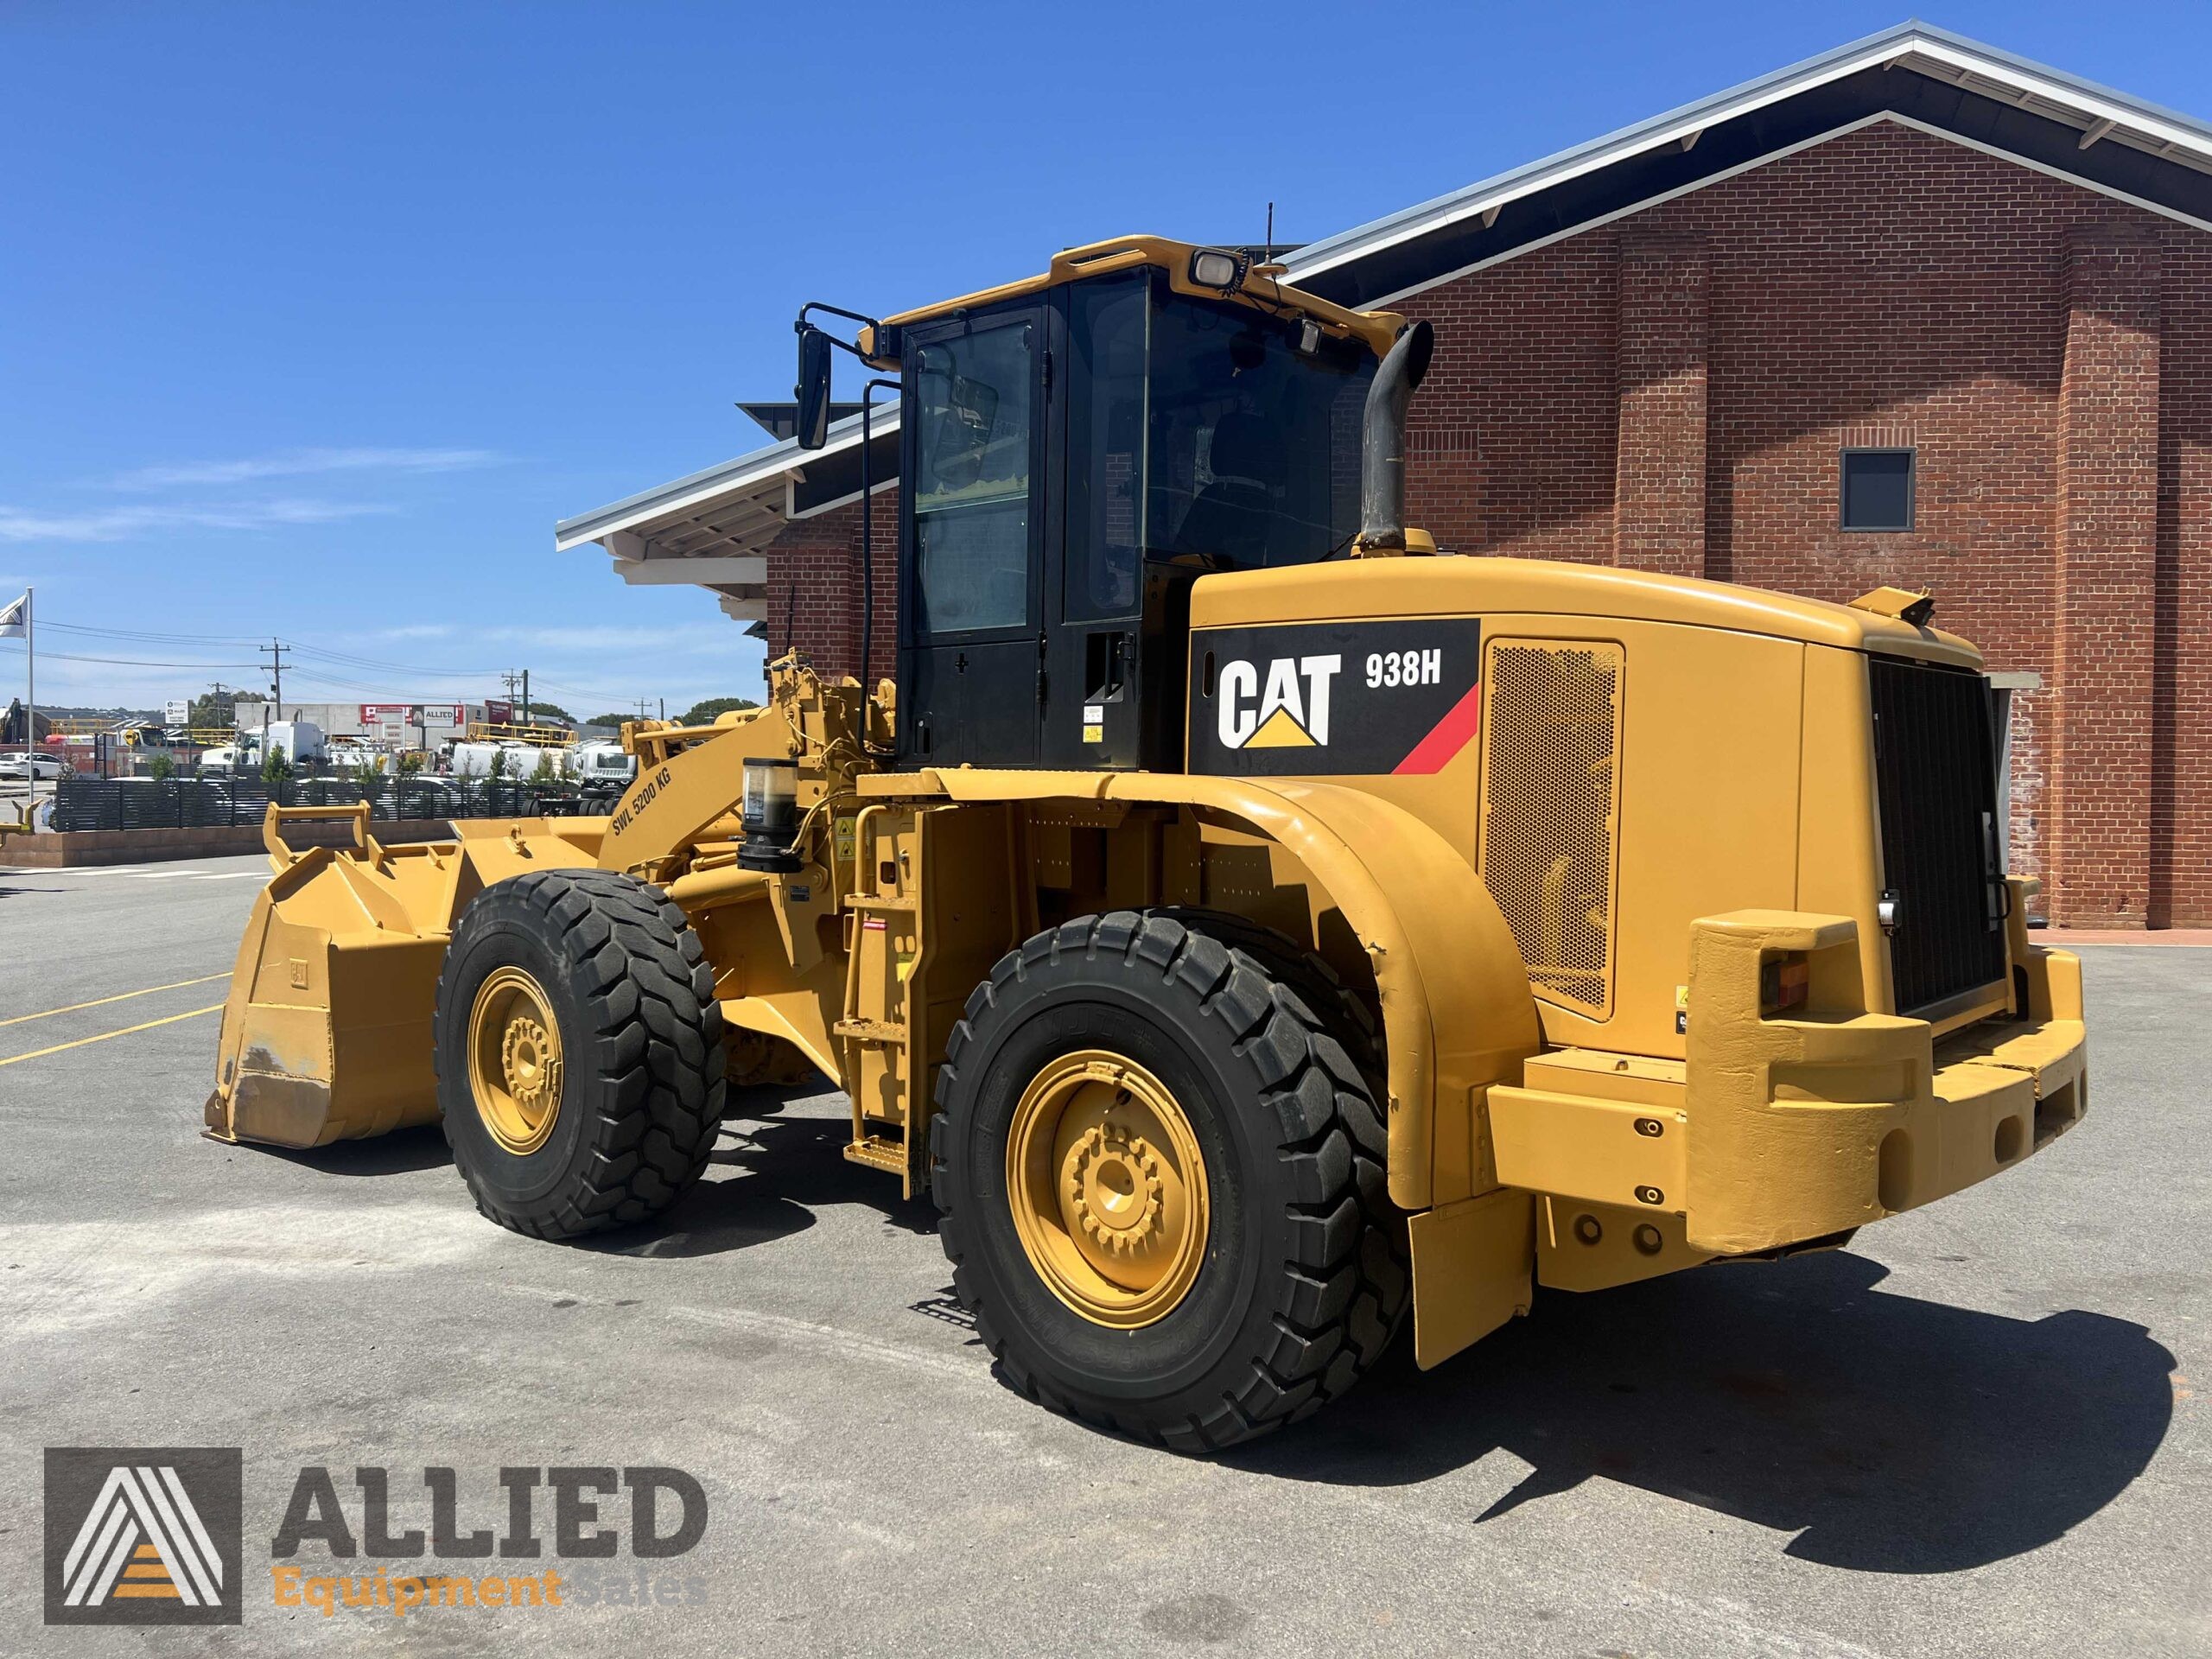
(1457, 1013)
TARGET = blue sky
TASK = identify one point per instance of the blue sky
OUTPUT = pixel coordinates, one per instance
(318, 316)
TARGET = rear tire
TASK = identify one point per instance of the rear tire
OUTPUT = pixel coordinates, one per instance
(1303, 1280)
(602, 973)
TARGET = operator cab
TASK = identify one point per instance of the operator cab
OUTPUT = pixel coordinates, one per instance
(1074, 453)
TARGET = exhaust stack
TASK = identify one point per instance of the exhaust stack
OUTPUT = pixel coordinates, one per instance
(1382, 441)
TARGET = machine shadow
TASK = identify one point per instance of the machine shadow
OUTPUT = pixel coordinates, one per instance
(788, 1169)
(401, 1153)
(1890, 1434)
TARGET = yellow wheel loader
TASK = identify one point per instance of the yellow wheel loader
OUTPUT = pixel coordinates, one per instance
(1249, 925)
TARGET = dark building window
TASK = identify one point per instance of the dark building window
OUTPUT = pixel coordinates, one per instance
(1877, 489)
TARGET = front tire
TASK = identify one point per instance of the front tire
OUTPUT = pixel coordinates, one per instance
(579, 1051)
(1184, 1090)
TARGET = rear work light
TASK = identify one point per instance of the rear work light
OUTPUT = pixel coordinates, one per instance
(1784, 982)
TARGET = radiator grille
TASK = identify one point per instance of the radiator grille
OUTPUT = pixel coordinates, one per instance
(1551, 810)
(1936, 772)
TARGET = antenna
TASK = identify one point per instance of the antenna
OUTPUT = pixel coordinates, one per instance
(1268, 257)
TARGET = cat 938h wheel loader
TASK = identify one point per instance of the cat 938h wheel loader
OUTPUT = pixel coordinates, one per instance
(1247, 925)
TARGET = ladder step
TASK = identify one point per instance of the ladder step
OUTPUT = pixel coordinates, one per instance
(872, 1030)
(878, 1153)
(878, 901)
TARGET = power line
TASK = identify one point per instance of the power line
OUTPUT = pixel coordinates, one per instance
(352, 661)
(153, 639)
(307, 669)
(128, 662)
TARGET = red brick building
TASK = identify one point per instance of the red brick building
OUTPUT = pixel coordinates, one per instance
(1914, 312)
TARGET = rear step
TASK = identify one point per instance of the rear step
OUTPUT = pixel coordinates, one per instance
(877, 1153)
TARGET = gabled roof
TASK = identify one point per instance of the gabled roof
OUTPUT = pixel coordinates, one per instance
(1915, 74)
(1926, 76)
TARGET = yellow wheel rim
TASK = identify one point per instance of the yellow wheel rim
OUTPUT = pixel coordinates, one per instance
(514, 1060)
(1107, 1188)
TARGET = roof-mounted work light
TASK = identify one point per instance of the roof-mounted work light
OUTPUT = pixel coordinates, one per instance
(1211, 268)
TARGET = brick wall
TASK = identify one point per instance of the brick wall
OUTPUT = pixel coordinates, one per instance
(1671, 391)
(2047, 351)
(814, 589)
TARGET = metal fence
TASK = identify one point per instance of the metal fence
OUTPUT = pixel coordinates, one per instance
(192, 803)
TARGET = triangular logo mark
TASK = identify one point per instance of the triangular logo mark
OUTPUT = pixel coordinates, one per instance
(175, 1561)
(1279, 731)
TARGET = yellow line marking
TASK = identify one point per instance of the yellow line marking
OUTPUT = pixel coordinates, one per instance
(121, 997)
(104, 1036)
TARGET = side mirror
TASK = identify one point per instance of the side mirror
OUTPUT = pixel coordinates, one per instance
(813, 389)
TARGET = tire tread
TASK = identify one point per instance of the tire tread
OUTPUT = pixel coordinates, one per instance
(656, 1049)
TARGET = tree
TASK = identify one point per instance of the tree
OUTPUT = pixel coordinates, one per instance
(546, 714)
(703, 713)
(162, 767)
(614, 721)
(275, 768)
(213, 711)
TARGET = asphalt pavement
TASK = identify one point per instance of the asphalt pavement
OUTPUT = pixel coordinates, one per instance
(1979, 1430)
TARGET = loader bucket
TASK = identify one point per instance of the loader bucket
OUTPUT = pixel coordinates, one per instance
(327, 1035)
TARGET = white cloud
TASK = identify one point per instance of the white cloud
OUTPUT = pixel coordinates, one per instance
(417, 631)
(117, 524)
(302, 463)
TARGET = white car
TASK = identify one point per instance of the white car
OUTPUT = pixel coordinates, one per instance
(18, 764)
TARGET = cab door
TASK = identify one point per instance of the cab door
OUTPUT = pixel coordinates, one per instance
(972, 678)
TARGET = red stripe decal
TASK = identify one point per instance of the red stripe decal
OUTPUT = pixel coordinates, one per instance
(1447, 737)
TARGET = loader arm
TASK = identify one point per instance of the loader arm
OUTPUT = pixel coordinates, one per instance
(688, 778)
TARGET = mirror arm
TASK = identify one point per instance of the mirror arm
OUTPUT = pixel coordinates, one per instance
(802, 325)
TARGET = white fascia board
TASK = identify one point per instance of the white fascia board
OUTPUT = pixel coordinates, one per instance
(740, 570)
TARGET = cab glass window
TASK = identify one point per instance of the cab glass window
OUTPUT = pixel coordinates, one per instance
(1200, 434)
(971, 483)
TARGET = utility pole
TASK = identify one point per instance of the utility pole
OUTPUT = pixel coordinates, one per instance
(275, 650)
(641, 703)
(663, 707)
(525, 697)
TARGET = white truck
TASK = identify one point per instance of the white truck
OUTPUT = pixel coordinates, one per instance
(295, 739)
(602, 764)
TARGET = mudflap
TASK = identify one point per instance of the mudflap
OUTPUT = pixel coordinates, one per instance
(1474, 1264)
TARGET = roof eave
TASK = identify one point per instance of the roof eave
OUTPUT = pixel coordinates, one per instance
(1889, 46)
(668, 499)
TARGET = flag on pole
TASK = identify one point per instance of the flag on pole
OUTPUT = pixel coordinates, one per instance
(13, 620)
